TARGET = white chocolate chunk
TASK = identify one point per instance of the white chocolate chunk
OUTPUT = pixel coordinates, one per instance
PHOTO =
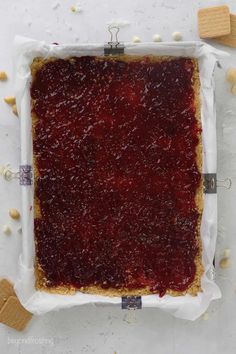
(136, 39)
(177, 36)
(227, 252)
(225, 263)
(157, 38)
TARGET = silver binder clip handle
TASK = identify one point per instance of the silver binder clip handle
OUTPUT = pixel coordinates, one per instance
(131, 302)
(26, 175)
(224, 183)
(209, 183)
(114, 30)
(113, 47)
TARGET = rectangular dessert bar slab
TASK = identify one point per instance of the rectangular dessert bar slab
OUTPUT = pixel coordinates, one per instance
(117, 172)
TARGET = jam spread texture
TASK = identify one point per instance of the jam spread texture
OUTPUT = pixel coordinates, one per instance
(117, 175)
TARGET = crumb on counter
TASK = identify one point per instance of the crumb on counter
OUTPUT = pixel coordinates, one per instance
(233, 89)
(75, 9)
(205, 316)
(3, 76)
(227, 252)
(225, 263)
(14, 110)
(14, 213)
(10, 100)
(231, 75)
(6, 229)
(231, 78)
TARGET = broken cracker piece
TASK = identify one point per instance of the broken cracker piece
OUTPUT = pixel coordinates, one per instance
(214, 21)
(6, 290)
(14, 315)
(230, 39)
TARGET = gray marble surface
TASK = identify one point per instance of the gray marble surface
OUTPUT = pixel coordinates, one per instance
(106, 330)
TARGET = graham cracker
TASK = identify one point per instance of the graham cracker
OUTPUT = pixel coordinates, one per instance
(214, 22)
(14, 315)
(230, 39)
(6, 290)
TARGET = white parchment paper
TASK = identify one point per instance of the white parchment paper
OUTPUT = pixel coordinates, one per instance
(186, 307)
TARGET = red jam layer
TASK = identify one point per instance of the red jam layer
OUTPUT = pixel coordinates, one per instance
(115, 146)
